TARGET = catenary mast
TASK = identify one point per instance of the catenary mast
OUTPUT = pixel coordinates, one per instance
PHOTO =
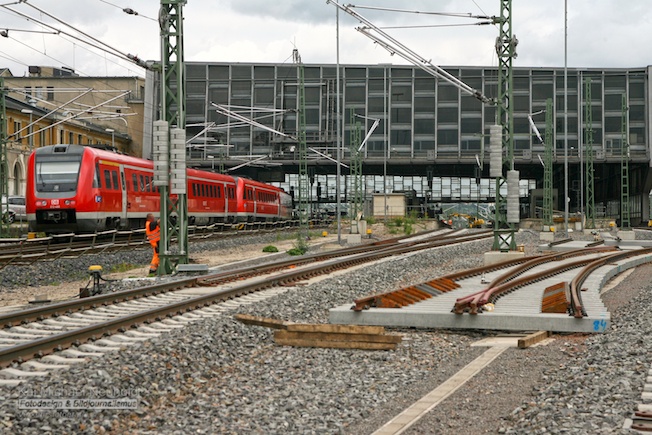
(170, 139)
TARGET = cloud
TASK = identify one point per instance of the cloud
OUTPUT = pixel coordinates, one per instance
(600, 34)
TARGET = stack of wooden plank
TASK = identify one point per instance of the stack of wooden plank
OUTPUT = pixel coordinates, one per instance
(555, 298)
(321, 335)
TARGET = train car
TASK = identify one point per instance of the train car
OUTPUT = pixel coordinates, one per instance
(211, 198)
(73, 188)
(261, 202)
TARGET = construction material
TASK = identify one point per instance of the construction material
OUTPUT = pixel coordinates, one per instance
(532, 339)
(261, 321)
(325, 335)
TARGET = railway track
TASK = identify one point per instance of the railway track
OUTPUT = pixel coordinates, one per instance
(41, 331)
(25, 251)
(544, 292)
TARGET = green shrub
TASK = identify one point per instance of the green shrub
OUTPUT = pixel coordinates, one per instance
(270, 248)
(300, 247)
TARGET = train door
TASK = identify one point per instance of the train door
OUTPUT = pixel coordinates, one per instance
(254, 198)
(124, 221)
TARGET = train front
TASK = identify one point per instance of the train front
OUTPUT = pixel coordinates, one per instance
(59, 187)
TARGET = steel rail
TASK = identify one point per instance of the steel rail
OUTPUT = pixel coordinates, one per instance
(575, 302)
(445, 283)
(49, 344)
(56, 309)
(524, 267)
(26, 251)
(474, 303)
(37, 313)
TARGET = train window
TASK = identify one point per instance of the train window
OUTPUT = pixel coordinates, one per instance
(194, 189)
(211, 191)
(122, 181)
(134, 182)
(148, 186)
(57, 174)
(96, 177)
(114, 176)
(107, 178)
(142, 183)
(203, 190)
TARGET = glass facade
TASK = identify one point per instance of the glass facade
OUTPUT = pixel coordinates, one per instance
(430, 135)
(421, 117)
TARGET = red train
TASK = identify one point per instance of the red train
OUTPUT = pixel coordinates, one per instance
(73, 188)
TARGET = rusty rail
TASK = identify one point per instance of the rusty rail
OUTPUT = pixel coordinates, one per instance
(474, 302)
(576, 309)
(408, 295)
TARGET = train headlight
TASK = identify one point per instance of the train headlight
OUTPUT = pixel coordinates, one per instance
(69, 202)
(41, 203)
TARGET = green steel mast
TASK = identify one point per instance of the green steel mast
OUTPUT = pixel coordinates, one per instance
(304, 181)
(547, 170)
(355, 171)
(624, 168)
(506, 49)
(174, 209)
(588, 155)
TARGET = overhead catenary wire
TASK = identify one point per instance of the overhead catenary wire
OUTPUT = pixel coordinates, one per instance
(433, 26)
(395, 47)
(128, 11)
(98, 44)
(443, 14)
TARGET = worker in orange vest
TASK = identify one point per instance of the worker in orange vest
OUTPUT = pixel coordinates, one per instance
(153, 232)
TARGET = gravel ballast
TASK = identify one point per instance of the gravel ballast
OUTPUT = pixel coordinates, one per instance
(221, 376)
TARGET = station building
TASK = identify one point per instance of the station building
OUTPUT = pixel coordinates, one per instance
(432, 139)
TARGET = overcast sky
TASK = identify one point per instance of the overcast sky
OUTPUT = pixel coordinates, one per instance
(601, 33)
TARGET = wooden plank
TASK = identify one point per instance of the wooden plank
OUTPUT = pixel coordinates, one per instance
(338, 329)
(533, 338)
(331, 336)
(335, 344)
(261, 321)
(555, 299)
